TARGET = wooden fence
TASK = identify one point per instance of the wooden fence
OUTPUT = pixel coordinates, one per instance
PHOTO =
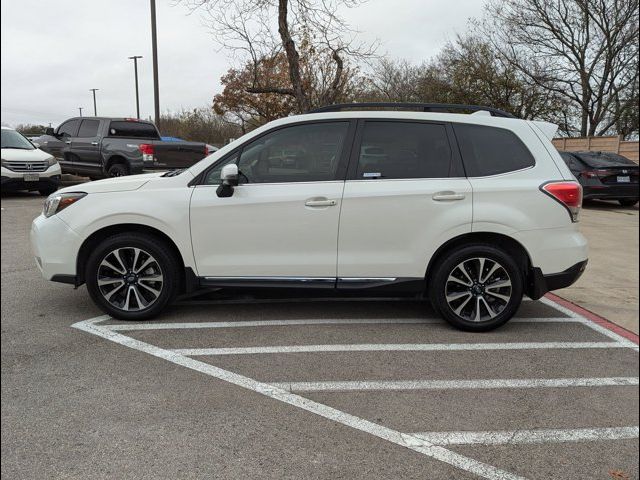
(603, 144)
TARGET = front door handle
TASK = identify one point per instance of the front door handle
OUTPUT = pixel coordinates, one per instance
(448, 196)
(320, 203)
(68, 142)
(95, 144)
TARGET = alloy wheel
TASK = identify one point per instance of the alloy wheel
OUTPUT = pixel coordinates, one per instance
(478, 289)
(130, 279)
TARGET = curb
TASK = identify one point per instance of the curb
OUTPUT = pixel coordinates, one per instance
(595, 318)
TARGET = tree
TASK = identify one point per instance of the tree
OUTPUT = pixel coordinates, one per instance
(302, 30)
(585, 51)
(199, 125)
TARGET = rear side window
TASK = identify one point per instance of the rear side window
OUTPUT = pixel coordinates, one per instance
(491, 151)
(88, 128)
(391, 150)
(133, 130)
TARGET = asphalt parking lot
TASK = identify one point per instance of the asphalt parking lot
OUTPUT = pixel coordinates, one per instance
(303, 389)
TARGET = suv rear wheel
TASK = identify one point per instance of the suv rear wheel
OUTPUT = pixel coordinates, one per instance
(476, 288)
(132, 276)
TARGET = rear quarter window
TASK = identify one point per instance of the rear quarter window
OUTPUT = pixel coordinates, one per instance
(133, 130)
(491, 150)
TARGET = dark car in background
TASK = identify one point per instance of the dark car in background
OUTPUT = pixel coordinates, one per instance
(99, 147)
(605, 176)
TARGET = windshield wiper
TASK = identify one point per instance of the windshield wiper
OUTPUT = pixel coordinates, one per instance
(16, 148)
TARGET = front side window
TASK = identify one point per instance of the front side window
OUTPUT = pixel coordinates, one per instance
(491, 151)
(394, 150)
(301, 153)
(88, 128)
(68, 129)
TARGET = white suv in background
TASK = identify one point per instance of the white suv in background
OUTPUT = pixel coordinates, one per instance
(26, 167)
(472, 211)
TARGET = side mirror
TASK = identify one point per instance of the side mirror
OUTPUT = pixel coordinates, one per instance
(49, 131)
(36, 144)
(229, 177)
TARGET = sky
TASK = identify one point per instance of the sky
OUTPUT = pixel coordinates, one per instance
(54, 52)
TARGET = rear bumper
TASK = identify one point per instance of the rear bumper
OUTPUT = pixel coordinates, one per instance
(611, 192)
(540, 284)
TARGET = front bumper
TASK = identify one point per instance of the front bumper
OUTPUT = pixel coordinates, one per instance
(540, 284)
(15, 184)
(54, 245)
(15, 180)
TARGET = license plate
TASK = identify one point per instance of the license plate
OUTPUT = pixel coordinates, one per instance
(31, 177)
(624, 179)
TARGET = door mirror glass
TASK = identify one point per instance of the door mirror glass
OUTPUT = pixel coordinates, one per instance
(229, 177)
(49, 131)
(229, 174)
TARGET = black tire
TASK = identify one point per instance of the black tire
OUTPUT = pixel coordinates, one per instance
(469, 257)
(166, 264)
(118, 170)
(45, 192)
(626, 202)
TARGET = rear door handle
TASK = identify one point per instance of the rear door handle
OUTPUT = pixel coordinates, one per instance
(95, 144)
(320, 203)
(68, 142)
(448, 196)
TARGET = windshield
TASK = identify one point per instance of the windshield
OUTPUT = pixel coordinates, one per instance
(605, 159)
(12, 139)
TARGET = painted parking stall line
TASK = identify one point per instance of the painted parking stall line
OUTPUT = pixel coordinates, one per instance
(431, 444)
(394, 347)
(456, 384)
(529, 436)
(320, 321)
(406, 440)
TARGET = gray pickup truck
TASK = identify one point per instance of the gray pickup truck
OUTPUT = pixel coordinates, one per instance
(99, 147)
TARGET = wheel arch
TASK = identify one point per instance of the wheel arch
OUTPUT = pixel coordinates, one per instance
(505, 242)
(116, 159)
(96, 237)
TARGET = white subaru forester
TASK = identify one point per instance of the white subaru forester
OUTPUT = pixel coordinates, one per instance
(471, 210)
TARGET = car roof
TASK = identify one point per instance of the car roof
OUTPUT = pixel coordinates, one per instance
(7, 128)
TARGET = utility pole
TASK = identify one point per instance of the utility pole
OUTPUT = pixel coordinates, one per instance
(95, 109)
(135, 69)
(80, 108)
(154, 48)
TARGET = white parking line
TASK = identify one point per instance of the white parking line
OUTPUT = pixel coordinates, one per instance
(314, 321)
(403, 439)
(594, 326)
(344, 386)
(529, 436)
(394, 347)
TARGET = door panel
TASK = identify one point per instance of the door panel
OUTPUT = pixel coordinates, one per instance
(405, 197)
(282, 220)
(267, 230)
(86, 148)
(391, 228)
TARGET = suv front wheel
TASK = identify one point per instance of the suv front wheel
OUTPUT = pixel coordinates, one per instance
(132, 276)
(476, 288)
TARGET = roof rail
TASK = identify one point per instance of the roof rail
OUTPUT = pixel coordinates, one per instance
(424, 107)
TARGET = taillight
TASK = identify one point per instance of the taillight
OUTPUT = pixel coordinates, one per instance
(147, 152)
(589, 174)
(569, 194)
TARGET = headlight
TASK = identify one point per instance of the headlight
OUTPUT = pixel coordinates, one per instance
(51, 161)
(59, 201)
